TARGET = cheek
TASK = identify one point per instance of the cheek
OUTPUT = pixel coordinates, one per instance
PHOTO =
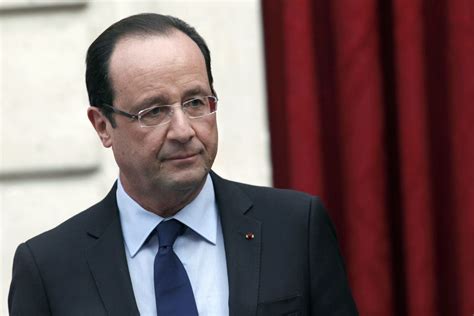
(137, 145)
(211, 144)
(207, 134)
(153, 140)
(124, 152)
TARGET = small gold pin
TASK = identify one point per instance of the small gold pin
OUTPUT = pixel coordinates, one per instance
(249, 236)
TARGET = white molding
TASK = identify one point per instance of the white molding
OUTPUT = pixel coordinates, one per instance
(28, 5)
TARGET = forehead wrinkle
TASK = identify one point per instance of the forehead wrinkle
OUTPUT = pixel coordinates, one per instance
(162, 76)
(165, 73)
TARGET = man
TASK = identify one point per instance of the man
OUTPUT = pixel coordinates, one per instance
(172, 237)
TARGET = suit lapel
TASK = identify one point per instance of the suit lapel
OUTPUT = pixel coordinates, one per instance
(107, 261)
(242, 239)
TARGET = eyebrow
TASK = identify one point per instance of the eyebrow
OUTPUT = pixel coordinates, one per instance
(196, 91)
(164, 99)
(147, 102)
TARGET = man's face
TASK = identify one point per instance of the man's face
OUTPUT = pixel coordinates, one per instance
(160, 70)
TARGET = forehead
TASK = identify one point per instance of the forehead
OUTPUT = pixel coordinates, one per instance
(154, 62)
(174, 45)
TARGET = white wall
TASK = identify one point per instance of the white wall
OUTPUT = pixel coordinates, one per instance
(51, 162)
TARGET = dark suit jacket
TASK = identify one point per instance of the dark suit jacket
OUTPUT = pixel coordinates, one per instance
(292, 266)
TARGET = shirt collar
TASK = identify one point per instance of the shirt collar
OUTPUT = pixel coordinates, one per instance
(137, 223)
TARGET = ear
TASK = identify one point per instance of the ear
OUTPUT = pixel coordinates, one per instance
(101, 125)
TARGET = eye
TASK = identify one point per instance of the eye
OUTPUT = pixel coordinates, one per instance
(194, 103)
(157, 111)
(155, 115)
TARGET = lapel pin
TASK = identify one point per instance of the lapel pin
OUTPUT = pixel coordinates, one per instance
(249, 236)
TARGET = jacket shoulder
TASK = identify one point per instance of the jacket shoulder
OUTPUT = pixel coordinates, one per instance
(74, 230)
(280, 198)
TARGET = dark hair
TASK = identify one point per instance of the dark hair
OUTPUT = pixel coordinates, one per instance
(98, 81)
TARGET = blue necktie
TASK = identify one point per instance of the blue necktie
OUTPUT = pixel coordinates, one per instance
(173, 292)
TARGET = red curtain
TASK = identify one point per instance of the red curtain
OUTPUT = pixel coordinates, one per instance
(371, 106)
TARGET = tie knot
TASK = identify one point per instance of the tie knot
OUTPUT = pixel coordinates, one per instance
(168, 231)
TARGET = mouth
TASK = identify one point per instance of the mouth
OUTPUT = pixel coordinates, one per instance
(182, 157)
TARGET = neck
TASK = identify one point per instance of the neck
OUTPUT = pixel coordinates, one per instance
(164, 202)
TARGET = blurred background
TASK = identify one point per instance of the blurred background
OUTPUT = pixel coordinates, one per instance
(365, 103)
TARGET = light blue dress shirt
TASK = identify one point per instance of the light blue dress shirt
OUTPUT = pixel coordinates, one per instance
(200, 249)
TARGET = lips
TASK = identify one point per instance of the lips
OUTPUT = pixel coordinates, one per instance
(182, 156)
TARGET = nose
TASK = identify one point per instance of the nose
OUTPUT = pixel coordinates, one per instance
(180, 128)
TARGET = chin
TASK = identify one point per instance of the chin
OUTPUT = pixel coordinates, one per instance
(187, 180)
